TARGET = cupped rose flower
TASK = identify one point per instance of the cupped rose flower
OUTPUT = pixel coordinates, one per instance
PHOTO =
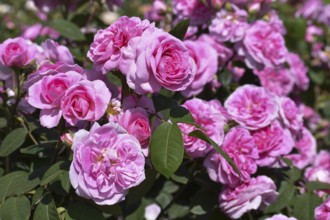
(47, 94)
(17, 52)
(109, 44)
(280, 217)
(257, 193)
(278, 81)
(229, 26)
(206, 60)
(306, 146)
(322, 212)
(136, 122)
(207, 116)
(241, 148)
(252, 107)
(290, 114)
(156, 60)
(85, 100)
(263, 46)
(53, 52)
(272, 141)
(299, 71)
(106, 163)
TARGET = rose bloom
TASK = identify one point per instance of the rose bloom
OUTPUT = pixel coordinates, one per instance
(241, 148)
(310, 8)
(52, 51)
(85, 100)
(257, 193)
(156, 60)
(252, 107)
(280, 217)
(306, 146)
(299, 71)
(263, 46)
(109, 44)
(322, 212)
(290, 114)
(229, 26)
(17, 52)
(272, 141)
(212, 122)
(206, 60)
(106, 163)
(278, 81)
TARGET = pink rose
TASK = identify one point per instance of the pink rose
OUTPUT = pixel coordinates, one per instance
(241, 148)
(156, 60)
(206, 60)
(85, 100)
(280, 217)
(299, 71)
(17, 52)
(252, 107)
(133, 101)
(210, 119)
(157, 11)
(290, 114)
(109, 44)
(322, 212)
(272, 141)
(54, 52)
(106, 163)
(263, 46)
(257, 193)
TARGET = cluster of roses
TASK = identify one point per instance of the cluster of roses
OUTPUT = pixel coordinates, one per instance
(263, 123)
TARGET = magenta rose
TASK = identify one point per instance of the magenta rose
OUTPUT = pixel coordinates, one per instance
(263, 46)
(85, 100)
(272, 141)
(252, 107)
(156, 60)
(280, 217)
(322, 212)
(290, 114)
(241, 148)
(106, 163)
(17, 52)
(109, 44)
(206, 60)
(257, 193)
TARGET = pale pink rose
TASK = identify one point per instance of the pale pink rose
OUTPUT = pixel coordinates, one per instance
(322, 159)
(252, 107)
(67, 138)
(229, 25)
(85, 100)
(299, 71)
(290, 114)
(109, 44)
(322, 212)
(280, 217)
(206, 60)
(210, 119)
(306, 146)
(257, 193)
(318, 173)
(47, 94)
(106, 163)
(310, 8)
(241, 148)
(53, 52)
(278, 81)
(156, 60)
(197, 11)
(17, 52)
(263, 46)
(136, 122)
(273, 142)
(312, 32)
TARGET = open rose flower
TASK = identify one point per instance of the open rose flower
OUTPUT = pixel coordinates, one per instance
(106, 163)
(17, 52)
(322, 212)
(53, 52)
(252, 107)
(280, 217)
(299, 71)
(85, 100)
(156, 60)
(290, 114)
(257, 193)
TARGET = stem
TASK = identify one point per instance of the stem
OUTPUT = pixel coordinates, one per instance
(250, 216)
(28, 130)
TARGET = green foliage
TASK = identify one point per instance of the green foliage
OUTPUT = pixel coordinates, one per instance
(15, 208)
(46, 209)
(12, 141)
(68, 29)
(180, 29)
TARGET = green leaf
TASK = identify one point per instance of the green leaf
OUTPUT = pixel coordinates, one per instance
(16, 183)
(180, 30)
(225, 78)
(83, 211)
(286, 193)
(162, 102)
(68, 29)
(3, 122)
(46, 209)
(54, 171)
(12, 141)
(166, 148)
(65, 181)
(15, 208)
(315, 185)
(177, 211)
(202, 136)
(317, 77)
(180, 114)
(305, 205)
(35, 149)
